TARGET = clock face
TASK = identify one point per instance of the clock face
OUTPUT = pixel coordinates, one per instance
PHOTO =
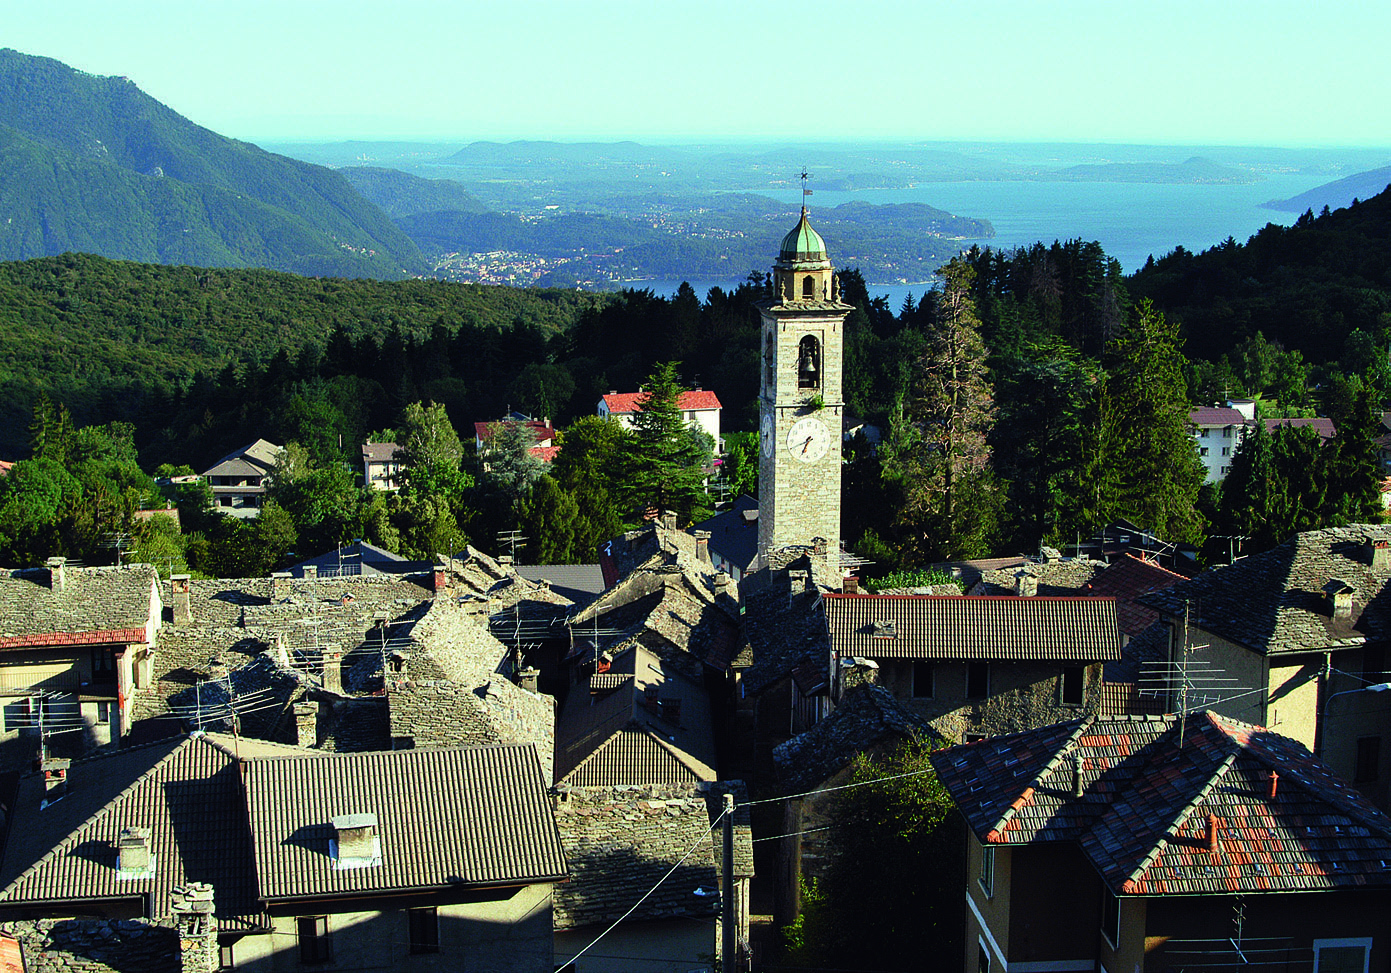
(808, 440)
(767, 434)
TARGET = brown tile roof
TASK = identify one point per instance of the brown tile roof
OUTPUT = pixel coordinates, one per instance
(1320, 425)
(185, 790)
(445, 818)
(1274, 602)
(621, 841)
(92, 600)
(1216, 416)
(1125, 579)
(973, 627)
(1143, 816)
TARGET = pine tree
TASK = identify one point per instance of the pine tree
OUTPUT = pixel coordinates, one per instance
(671, 459)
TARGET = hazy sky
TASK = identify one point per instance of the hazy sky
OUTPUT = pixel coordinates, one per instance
(1281, 72)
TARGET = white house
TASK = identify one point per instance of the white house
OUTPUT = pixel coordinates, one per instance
(700, 407)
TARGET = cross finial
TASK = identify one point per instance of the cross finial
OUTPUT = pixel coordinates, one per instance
(805, 191)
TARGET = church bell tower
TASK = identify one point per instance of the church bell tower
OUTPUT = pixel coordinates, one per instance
(800, 406)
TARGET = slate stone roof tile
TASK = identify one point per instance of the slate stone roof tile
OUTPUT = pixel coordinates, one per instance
(91, 600)
(1274, 602)
(1143, 816)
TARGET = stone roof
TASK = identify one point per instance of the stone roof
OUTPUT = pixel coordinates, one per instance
(445, 818)
(258, 457)
(122, 602)
(1274, 602)
(785, 624)
(1057, 576)
(734, 534)
(640, 722)
(381, 452)
(994, 628)
(865, 719)
(619, 840)
(1143, 817)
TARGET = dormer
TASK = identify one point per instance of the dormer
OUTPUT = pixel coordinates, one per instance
(356, 843)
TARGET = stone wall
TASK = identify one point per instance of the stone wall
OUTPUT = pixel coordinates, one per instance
(96, 945)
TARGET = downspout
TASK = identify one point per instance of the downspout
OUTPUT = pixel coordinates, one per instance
(1320, 699)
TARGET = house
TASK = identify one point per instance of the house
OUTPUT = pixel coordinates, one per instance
(1166, 843)
(220, 853)
(1218, 431)
(635, 720)
(238, 480)
(979, 665)
(77, 643)
(544, 448)
(358, 557)
(732, 537)
(699, 407)
(1289, 639)
(619, 840)
(382, 464)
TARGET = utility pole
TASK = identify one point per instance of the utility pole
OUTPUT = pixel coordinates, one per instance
(727, 937)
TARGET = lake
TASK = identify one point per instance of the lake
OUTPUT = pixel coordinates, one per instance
(1131, 221)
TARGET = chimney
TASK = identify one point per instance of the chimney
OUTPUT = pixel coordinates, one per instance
(307, 724)
(279, 587)
(1339, 594)
(133, 853)
(192, 907)
(310, 572)
(179, 589)
(356, 840)
(1379, 555)
(333, 670)
(668, 519)
(850, 585)
(1052, 555)
(55, 778)
(1214, 837)
(1077, 761)
(1025, 584)
(702, 539)
(526, 678)
(818, 546)
(1274, 786)
(57, 573)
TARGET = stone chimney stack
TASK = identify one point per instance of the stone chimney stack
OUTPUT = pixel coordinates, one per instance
(280, 587)
(357, 839)
(192, 906)
(55, 778)
(333, 670)
(181, 596)
(307, 724)
(57, 573)
(1379, 556)
(134, 855)
(702, 539)
(1339, 594)
(1025, 584)
(850, 585)
(668, 519)
(526, 678)
(310, 572)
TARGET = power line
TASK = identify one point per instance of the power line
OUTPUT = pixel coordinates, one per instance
(842, 787)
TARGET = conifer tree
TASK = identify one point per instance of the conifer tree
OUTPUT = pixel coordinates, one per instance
(671, 459)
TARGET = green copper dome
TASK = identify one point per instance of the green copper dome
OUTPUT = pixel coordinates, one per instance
(803, 243)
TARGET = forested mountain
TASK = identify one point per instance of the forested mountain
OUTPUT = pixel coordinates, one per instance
(108, 337)
(94, 164)
(1308, 287)
(400, 194)
(1336, 194)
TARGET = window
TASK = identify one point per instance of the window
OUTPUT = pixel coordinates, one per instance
(987, 870)
(977, 680)
(1226, 450)
(103, 711)
(1227, 432)
(103, 664)
(315, 943)
(1202, 451)
(982, 957)
(1204, 432)
(425, 930)
(1368, 760)
(1111, 917)
(808, 287)
(922, 679)
(225, 959)
(1071, 685)
(1341, 955)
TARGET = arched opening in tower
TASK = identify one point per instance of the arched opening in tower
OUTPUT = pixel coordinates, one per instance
(809, 363)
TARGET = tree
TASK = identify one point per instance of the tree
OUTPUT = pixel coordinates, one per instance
(1148, 468)
(429, 441)
(510, 464)
(941, 450)
(591, 467)
(671, 458)
(550, 518)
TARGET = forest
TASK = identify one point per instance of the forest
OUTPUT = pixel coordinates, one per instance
(1066, 405)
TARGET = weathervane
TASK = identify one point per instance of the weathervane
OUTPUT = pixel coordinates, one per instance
(805, 191)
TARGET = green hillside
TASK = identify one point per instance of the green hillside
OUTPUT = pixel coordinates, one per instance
(400, 194)
(94, 164)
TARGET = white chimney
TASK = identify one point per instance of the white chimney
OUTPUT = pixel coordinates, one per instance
(356, 844)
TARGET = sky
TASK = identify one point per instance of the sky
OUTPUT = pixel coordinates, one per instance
(1228, 72)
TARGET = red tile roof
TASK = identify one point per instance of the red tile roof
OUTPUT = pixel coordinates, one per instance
(1126, 579)
(544, 432)
(1219, 416)
(1146, 804)
(623, 403)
